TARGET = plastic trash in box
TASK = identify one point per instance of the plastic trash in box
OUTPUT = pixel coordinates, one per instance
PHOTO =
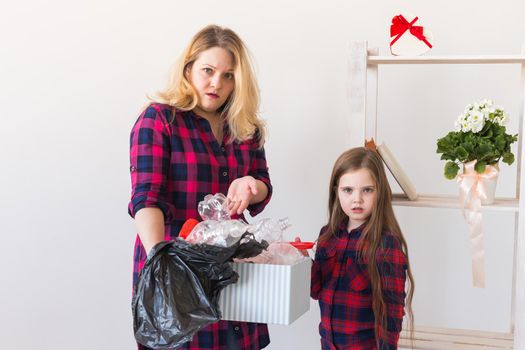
(217, 228)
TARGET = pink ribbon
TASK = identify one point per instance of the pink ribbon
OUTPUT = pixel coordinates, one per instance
(473, 189)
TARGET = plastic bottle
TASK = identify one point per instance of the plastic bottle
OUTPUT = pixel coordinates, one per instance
(269, 230)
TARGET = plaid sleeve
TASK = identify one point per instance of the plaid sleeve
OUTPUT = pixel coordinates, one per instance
(316, 275)
(149, 163)
(259, 171)
(392, 269)
(315, 280)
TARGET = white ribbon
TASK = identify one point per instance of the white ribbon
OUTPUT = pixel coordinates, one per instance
(473, 189)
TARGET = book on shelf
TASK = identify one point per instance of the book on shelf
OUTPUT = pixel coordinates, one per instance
(395, 168)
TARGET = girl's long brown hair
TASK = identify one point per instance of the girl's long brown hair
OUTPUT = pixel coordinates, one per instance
(381, 219)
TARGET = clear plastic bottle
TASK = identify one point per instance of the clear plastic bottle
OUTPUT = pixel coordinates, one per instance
(214, 207)
(269, 230)
(219, 233)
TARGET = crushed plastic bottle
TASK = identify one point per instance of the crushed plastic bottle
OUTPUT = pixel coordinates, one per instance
(214, 207)
(219, 233)
(269, 230)
(218, 229)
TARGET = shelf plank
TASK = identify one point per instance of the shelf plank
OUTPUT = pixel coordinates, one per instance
(457, 339)
(438, 201)
(496, 59)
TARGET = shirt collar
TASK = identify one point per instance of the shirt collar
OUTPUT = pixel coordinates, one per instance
(344, 225)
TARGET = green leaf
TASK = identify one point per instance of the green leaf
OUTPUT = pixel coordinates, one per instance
(480, 167)
(508, 158)
(500, 142)
(448, 156)
(486, 127)
(511, 138)
(442, 145)
(461, 153)
(447, 143)
(483, 151)
(498, 130)
(488, 134)
(451, 170)
(468, 146)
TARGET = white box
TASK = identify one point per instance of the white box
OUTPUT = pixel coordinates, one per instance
(276, 294)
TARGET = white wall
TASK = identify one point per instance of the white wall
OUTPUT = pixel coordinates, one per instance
(73, 77)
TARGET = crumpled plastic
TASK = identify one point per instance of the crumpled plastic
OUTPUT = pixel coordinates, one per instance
(277, 253)
(178, 289)
(217, 228)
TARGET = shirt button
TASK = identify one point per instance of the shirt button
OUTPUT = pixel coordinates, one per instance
(132, 168)
(224, 173)
(236, 328)
(223, 149)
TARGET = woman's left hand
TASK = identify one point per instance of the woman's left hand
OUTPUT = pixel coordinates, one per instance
(241, 193)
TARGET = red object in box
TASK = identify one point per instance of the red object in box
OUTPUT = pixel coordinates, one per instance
(302, 245)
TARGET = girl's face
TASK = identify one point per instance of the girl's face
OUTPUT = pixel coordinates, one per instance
(211, 75)
(357, 194)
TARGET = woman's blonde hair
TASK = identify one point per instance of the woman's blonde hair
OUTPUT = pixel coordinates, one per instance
(241, 108)
(382, 219)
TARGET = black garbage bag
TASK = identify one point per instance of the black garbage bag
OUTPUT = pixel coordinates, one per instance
(178, 289)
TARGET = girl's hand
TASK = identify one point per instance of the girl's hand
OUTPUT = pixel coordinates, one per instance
(241, 193)
(304, 252)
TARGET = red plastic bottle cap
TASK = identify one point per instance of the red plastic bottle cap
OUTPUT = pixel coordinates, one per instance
(187, 227)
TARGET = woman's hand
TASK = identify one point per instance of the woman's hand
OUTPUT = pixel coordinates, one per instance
(242, 192)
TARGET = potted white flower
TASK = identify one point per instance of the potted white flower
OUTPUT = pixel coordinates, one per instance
(479, 142)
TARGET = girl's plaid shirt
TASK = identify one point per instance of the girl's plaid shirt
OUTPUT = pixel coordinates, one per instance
(341, 284)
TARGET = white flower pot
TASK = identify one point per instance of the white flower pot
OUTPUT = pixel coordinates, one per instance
(486, 182)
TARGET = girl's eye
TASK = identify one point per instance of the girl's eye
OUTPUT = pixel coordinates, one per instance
(228, 76)
(347, 190)
(368, 190)
(207, 70)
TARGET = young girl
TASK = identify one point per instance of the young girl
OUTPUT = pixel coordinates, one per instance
(361, 263)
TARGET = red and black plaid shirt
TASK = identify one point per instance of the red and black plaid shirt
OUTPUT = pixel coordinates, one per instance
(175, 162)
(341, 284)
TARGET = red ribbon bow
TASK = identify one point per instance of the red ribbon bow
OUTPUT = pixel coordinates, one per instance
(400, 25)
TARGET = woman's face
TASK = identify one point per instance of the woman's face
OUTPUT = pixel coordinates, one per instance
(211, 75)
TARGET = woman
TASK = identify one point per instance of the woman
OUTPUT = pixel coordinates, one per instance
(201, 136)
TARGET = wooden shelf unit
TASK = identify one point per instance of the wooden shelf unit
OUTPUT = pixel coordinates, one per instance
(363, 86)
